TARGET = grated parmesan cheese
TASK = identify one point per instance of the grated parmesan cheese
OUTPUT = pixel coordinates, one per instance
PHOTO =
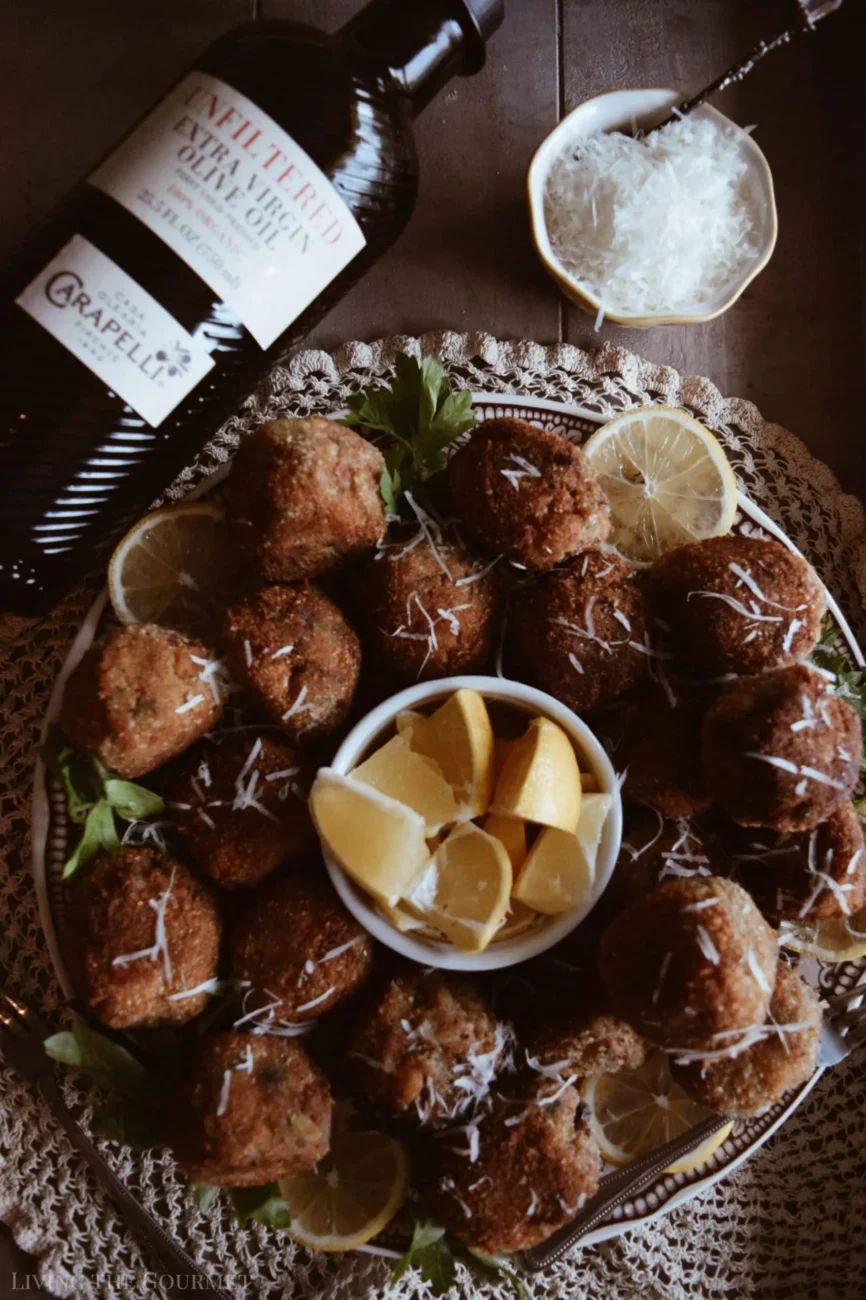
(658, 225)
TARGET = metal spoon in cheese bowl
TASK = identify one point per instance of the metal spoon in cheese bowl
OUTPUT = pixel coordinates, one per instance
(469, 823)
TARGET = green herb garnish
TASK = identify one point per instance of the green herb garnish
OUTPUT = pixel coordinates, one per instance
(263, 1204)
(431, 1254)
(434, 1251)
(204, 1195)
(832, 655)
(93, 796)
(420, 414)
(129, 1113)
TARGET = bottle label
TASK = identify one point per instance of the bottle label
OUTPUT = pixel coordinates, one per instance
(237, 199)
(104, 318)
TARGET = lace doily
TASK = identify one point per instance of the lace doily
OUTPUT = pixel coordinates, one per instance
(790, 1222)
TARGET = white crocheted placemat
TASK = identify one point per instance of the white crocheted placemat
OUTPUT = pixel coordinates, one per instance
(790, 1223)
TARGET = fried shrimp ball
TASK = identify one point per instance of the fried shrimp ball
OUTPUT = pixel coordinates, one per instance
(807, 876)
(577, 632)
(240, 807)
(595, 1043)
(303, 495)
(252, 1110)
(424, 622)
(657, 741)
(527, 494)
(737, 604)
(781, 750)
(138, 698)
(298, 946)
(537, 1163)
(783, 1055)
(691, 961)
(150, 932)
(296, 656)
(429, 1047)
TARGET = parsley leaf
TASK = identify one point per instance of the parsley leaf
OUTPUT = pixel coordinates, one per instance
(420, 414)
(431, 1254)
(94, 796)
(263, 1204)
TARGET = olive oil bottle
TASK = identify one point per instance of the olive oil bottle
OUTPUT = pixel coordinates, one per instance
(209, 241)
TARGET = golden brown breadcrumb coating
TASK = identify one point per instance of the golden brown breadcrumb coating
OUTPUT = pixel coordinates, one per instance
(527, 494)
(296, 656)
(737, 604)
(150, 931)
(138, 698)
(749, 1081)
(252, 1110)
(692, 960)
(304, 495)
(781, 750)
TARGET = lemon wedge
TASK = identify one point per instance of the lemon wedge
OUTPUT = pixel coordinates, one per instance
(635, 1112)
(459, 737)
(518, 919)
(540, 779)
(377, 841)
(831, 941)
(511, 832)
(465, 891)
(401, 773)
(559, 870)
(176, 568)
(351, 1194)
(667, 481)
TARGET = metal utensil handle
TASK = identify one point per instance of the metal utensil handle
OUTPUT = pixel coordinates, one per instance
(170, 1255)
(618, 1189)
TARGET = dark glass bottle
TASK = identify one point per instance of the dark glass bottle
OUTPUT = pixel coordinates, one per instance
(210, 241)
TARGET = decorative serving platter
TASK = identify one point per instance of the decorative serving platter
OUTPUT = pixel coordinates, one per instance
(52, 837)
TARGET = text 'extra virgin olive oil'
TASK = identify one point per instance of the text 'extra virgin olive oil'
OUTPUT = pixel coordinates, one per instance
(216, 235)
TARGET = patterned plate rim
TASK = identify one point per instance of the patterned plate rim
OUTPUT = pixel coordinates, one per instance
(670, 1191)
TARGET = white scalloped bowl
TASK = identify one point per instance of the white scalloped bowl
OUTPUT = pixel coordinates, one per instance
(373, 730)
(621, 110)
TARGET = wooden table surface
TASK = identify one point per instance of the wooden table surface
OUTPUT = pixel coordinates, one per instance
(75, 76)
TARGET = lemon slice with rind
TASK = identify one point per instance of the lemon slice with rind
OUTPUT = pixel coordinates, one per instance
(830, 941)
(540, 779)
(377, 841)
(667, 481)
(466, 890)
(351, 1195)
(401, 773)
(635, 1112)
(459, 737)
(177, 568)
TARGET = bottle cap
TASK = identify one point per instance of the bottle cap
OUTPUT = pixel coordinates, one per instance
(483, 18)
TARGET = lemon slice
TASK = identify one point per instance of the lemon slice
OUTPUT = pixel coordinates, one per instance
(465, 891)
(635, 1112)
(399, 772)
(511, 832)
(831, 941)
(459, 737)
(176, 568)
(667, 481)
(559, 870)
(351, 1195)
(540, 779)
(376, 840)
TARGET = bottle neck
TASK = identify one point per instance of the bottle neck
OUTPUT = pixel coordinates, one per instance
(417, 45)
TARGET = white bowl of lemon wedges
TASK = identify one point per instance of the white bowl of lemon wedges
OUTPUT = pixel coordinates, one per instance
(469, 823)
